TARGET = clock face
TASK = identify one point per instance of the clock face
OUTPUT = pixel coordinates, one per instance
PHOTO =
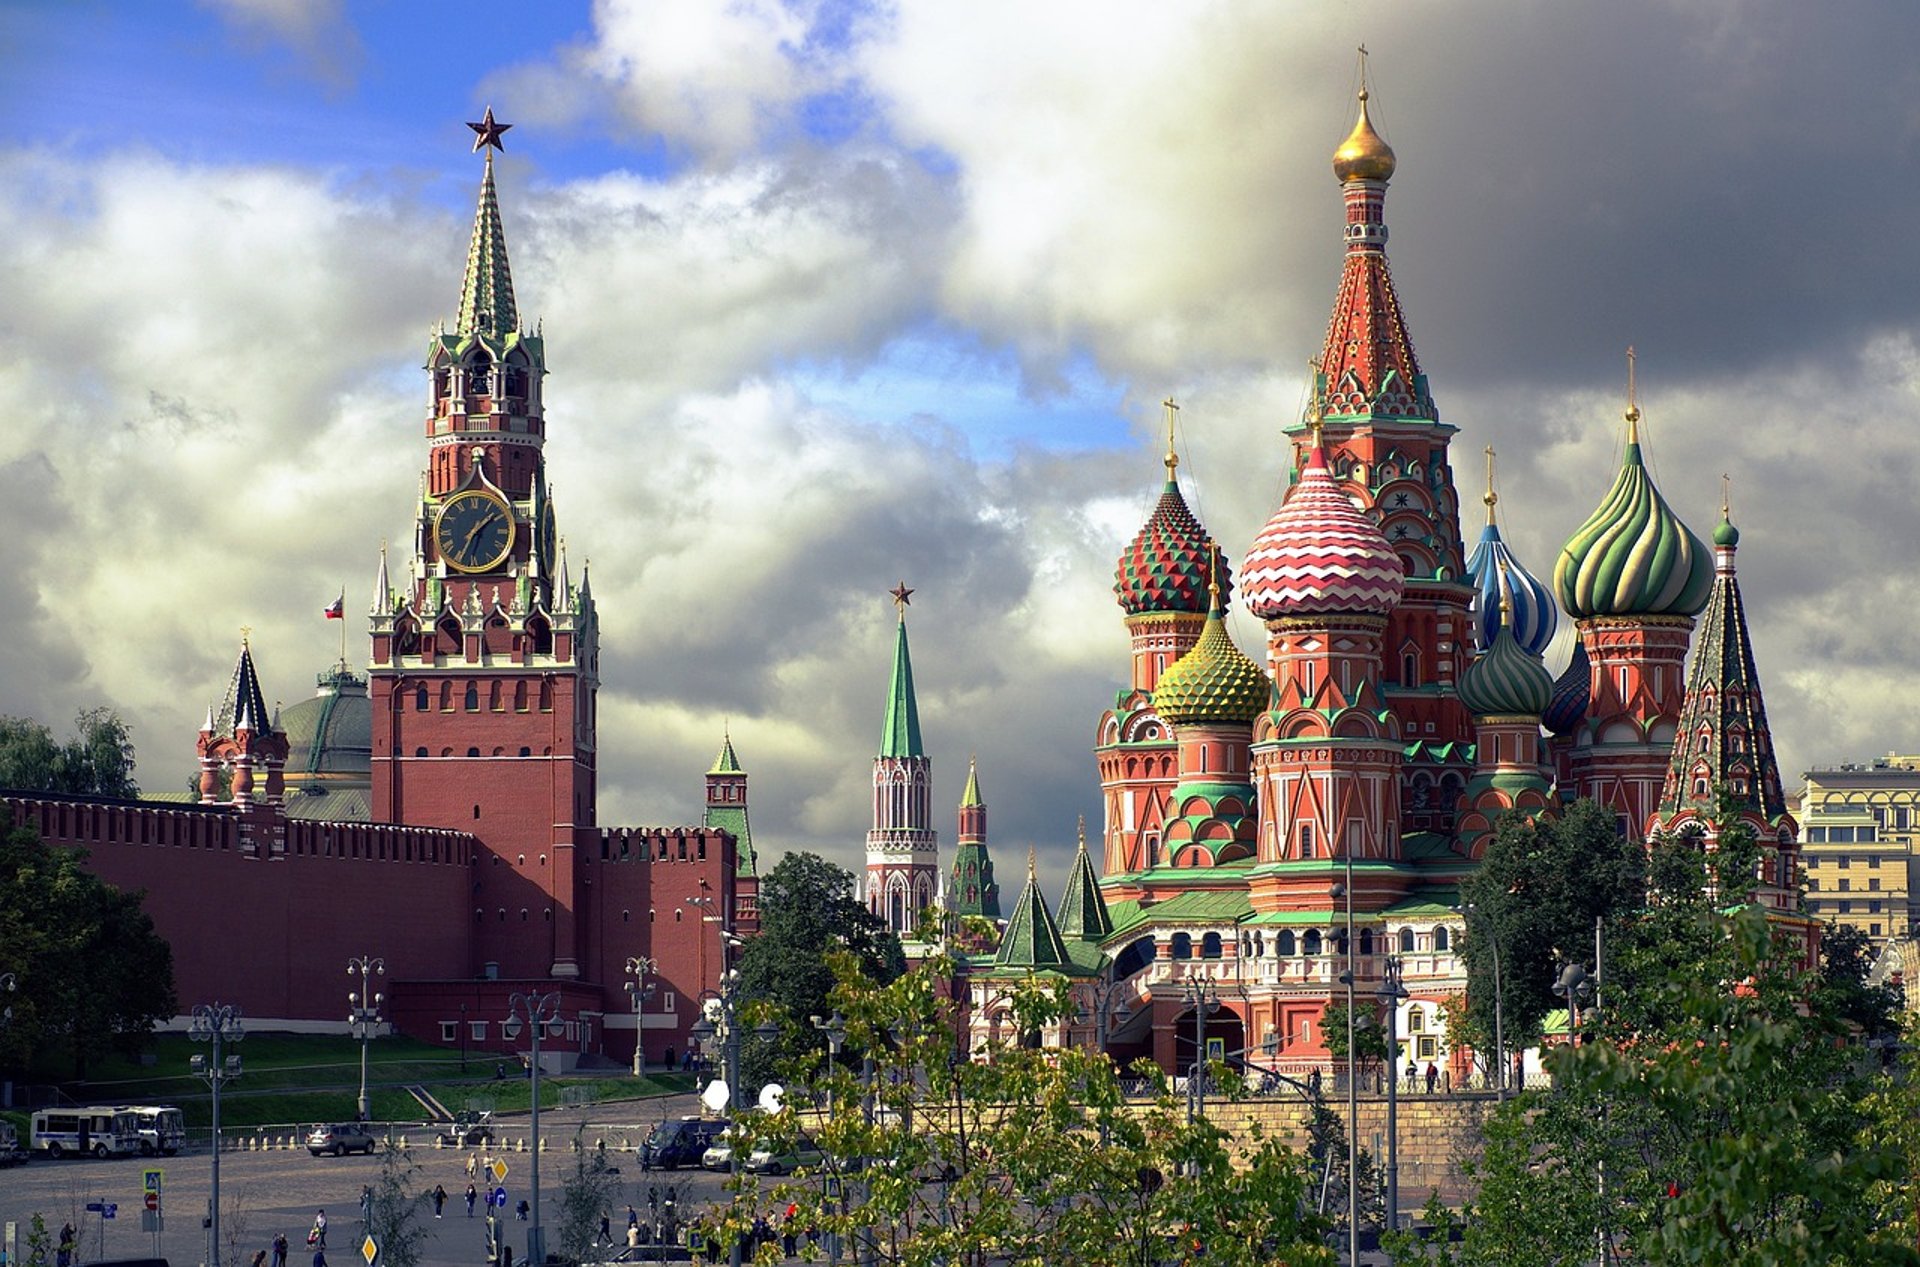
(547, 541)
(474, 532)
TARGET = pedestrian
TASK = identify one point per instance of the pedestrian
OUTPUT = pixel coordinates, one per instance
(506, 1255)
(788, 1231)
(473, 1164)
(633, 1217)
(520, 1210)
(63, 1256)
(1313, 1083)
(439, 1199)
(1433, 1076)
(606, 1229)
(279, 1249)
(259, 1258)
(473, 1194)
(318, 1236)
(320, 1256)
(633, 1236)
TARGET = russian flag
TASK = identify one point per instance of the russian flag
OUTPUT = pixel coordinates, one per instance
(336, 610)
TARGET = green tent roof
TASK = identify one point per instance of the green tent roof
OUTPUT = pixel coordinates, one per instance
(901, 737)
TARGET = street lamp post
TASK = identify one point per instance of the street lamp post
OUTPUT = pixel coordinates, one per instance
(1392, 992)
(834, 1030)
(1345, 890)
(640, 990)
(1499, 1036)
(535, 1011)
(463, 1038)
(363, 1014)
(1576, 987)
(726, 1027)
(1201, 996)
(219, 1024)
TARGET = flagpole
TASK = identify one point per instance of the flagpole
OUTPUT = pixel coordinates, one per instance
(343, 629)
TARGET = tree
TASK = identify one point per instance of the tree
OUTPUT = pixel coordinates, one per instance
(1021, 1155)
(1369, 1039)
(1846, 962)
(394, 1216)
(586, 1193)
(1539, 889)
(97, 761)
(807, 910)
(1715, 1114)
(92, 973)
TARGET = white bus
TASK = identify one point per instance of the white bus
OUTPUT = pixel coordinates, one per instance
(97, 1131)
(162, 1128)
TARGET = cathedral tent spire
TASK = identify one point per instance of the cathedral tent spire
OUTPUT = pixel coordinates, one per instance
(1083, 908)
(486, 298)
(1032, 939)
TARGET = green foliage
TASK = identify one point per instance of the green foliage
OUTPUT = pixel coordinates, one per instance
(1846, 960)
(1369, 1037)
(93, 976)
(589, 1190)
(807, 909)
(1718, 1115)
(39, 1242)
(396, 1220)
(1537, 892)
(1020, 1156)
(96, 761)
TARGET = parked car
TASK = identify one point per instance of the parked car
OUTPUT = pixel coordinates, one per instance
(719, 1155)
(768, 1160)
(340, 1138)
(679, 1142)
(468, 1130)
(11, 1153)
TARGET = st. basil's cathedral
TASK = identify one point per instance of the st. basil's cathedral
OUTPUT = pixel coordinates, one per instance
(1403, 708)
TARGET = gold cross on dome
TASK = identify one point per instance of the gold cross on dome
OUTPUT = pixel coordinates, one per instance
(1173, 412)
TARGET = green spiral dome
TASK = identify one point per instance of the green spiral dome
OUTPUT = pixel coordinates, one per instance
(1504, 681)
(1633, 556)
(1213, 682)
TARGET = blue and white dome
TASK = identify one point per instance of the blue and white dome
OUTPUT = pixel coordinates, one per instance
(1533, 615)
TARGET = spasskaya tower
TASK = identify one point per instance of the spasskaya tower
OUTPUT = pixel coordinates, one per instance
(485, 654)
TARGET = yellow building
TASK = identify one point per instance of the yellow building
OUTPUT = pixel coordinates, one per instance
(1859, 824)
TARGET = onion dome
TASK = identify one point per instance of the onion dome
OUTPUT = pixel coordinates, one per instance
(1165, 568)
(1572, 692)
(1726, 536)
(1363, 155)
(1320, 554)
(1214, 681)
(1491, 568)
(1506, 680)
(1633, 556)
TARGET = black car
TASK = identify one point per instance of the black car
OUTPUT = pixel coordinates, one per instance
(679, 1142)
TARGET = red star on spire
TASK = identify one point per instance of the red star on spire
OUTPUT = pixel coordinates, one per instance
(488, 132)
(902, 596)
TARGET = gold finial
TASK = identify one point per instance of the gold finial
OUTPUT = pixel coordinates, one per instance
(1213, 575)
(1316, 409)
(1506, 594)
(902, 598)
(246, 634)
(1172, 459)
(1363, 155)
(1083, 833)
(1726, 496)
(1492, 497)
(1033, 865)
(1633, 400)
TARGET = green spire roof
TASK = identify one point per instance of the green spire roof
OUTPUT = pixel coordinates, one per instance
(970, 799)
(486, 300)
(901, 737)
(1032, 940)
(971, 889)
(1083, 909)
(726, 762)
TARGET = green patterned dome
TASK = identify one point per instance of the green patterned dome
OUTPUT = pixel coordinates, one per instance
(1164, 568)
(1633, 556)
(1213, 682)
(1504, 681)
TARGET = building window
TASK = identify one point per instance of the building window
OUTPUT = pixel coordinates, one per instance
(1874, 884)
(1846, 908)
(1416, 1020)
(1306, 840)
(1310, 944)
(449, 1031)
(1182, 946)
(1283, 944)
(420, 700)
(477, 1031)
(473, 697)
(1873, 864)
(1845, 885)
(1406, 941)
(1441, 939)
(1210, 946)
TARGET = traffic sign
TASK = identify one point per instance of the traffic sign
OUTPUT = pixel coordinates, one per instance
(500, 1197)
(108, 1209)
(150, 1180)
(96, 1207)
(498, 1170)
(153, 1200)
(369, 1250)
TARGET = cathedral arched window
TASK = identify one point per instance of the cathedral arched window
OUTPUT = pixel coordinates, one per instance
(420, 702)
(1441, 939)
(1210, 946)
(1182, 946)
(473, 701)
(1366, 941)
(1311, 943)
(1283, 943)
(479, 372)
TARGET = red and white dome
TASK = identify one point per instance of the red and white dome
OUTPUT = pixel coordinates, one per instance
(1320, 554)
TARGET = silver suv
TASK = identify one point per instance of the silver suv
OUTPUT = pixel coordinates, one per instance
(339, 1139)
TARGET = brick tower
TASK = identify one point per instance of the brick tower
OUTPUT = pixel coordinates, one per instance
(971, 888)
(903, 852)
(485, 655)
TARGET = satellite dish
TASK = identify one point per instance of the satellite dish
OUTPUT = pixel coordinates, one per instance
(771, 1096)
(716, 1096)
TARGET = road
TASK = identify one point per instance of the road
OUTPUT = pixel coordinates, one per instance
(263, 1193)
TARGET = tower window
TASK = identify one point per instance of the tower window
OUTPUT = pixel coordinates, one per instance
(1306, 840)
(420, 703)
(473, 699)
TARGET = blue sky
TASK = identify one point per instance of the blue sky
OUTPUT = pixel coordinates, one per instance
(837, 294)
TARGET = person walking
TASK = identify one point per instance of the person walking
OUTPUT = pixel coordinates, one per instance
(606, 1229)
(259, 1258)
(279, 1249)
(366, 1204)
(439, 1199)
(320, 1256)
(318, 1236)
(473, 1165)
(473, 1195)
(520, 1210)
(63, 1255)
(1433, 1076)
(633, 1236)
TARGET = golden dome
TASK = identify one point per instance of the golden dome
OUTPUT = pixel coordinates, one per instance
(1363, 155)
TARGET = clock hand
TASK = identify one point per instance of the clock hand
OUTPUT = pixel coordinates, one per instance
(474, 532)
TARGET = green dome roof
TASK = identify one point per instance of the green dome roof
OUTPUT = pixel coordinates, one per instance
(1505, 681)
(1726, 534)
(1633, 556)
(1213, 682)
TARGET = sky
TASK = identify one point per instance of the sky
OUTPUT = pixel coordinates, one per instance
(842, 294)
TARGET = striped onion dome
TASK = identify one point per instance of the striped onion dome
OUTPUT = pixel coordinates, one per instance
(1506, 680)
(1572, 692)
(1165, 567)
(1532, 615)
(1214, 681)
(1633, 556)
(1320, 554)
